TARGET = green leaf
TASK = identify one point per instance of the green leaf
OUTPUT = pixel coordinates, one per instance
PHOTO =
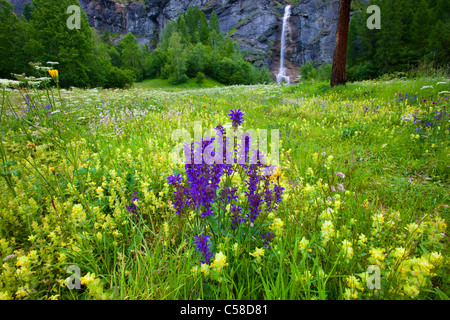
(81, 171)
(441, 294)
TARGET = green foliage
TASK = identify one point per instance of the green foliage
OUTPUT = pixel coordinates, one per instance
(320, 73)
(200, 77)
(197, 59)
(176, 60)
(308, 71)
(153, 63)
(191, 45)
(214, 22)
(73, 49)
(12, 39)
(131, 59)
(188, 45)
(118, 78)
(411, 31)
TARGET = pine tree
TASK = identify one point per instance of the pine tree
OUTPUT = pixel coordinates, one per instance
(183, 29)
(106, 38)
(166, 34)
(204, 31)
(12, 39)
(390, 46)
(214, 22)
(420, 29)
(354, 47)
(440, 42)
(215, 39)
(191, 21)
(27, 11)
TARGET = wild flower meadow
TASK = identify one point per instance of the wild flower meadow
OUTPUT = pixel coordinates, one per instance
(361, 190)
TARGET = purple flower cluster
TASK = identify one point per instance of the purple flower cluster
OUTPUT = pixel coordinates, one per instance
(132, 208)
(431, 120)
(200, 189)
(203, 247)
(406, 96)
(236, 117)
(267, 238)
(236, 219)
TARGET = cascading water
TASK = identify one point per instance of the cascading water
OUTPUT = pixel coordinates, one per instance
(281, 76)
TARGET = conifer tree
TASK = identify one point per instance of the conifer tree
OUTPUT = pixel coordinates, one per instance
(214, 22)
(183, 29)
(73, 49)
(12, 39)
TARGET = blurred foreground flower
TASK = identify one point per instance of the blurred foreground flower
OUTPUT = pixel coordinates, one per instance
(54, 74)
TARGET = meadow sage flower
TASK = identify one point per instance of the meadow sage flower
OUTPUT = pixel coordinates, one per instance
(236, 117)
(267, 238)
(203, 247)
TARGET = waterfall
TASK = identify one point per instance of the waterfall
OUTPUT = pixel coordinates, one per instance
(282, 72)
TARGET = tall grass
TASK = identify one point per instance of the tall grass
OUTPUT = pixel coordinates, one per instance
(72, 160)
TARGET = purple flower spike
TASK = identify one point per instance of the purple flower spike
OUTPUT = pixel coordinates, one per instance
(267, 238)
(203, 246)
(173, 180)
(237, 219)
(236, 117)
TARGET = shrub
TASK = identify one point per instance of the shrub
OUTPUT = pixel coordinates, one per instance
(118, 78)
(307, 71)
(200, 77)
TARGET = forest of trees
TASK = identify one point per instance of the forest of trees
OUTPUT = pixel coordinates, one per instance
(412, 31)
(193, 47)
(188, 47)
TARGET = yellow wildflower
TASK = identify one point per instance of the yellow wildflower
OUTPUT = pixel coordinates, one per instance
(220, 261)
(54, 74)
(303, 244)
(88, 278)
(277, 226)
(259, 252)
(348, 250)
(327, 230)
(276, 175)
(204, 269)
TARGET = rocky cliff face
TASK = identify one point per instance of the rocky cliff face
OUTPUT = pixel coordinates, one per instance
(256, 25)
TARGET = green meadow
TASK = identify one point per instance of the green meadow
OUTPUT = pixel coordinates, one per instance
(87, 210)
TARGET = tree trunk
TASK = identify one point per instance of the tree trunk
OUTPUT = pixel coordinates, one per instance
(338, 75)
